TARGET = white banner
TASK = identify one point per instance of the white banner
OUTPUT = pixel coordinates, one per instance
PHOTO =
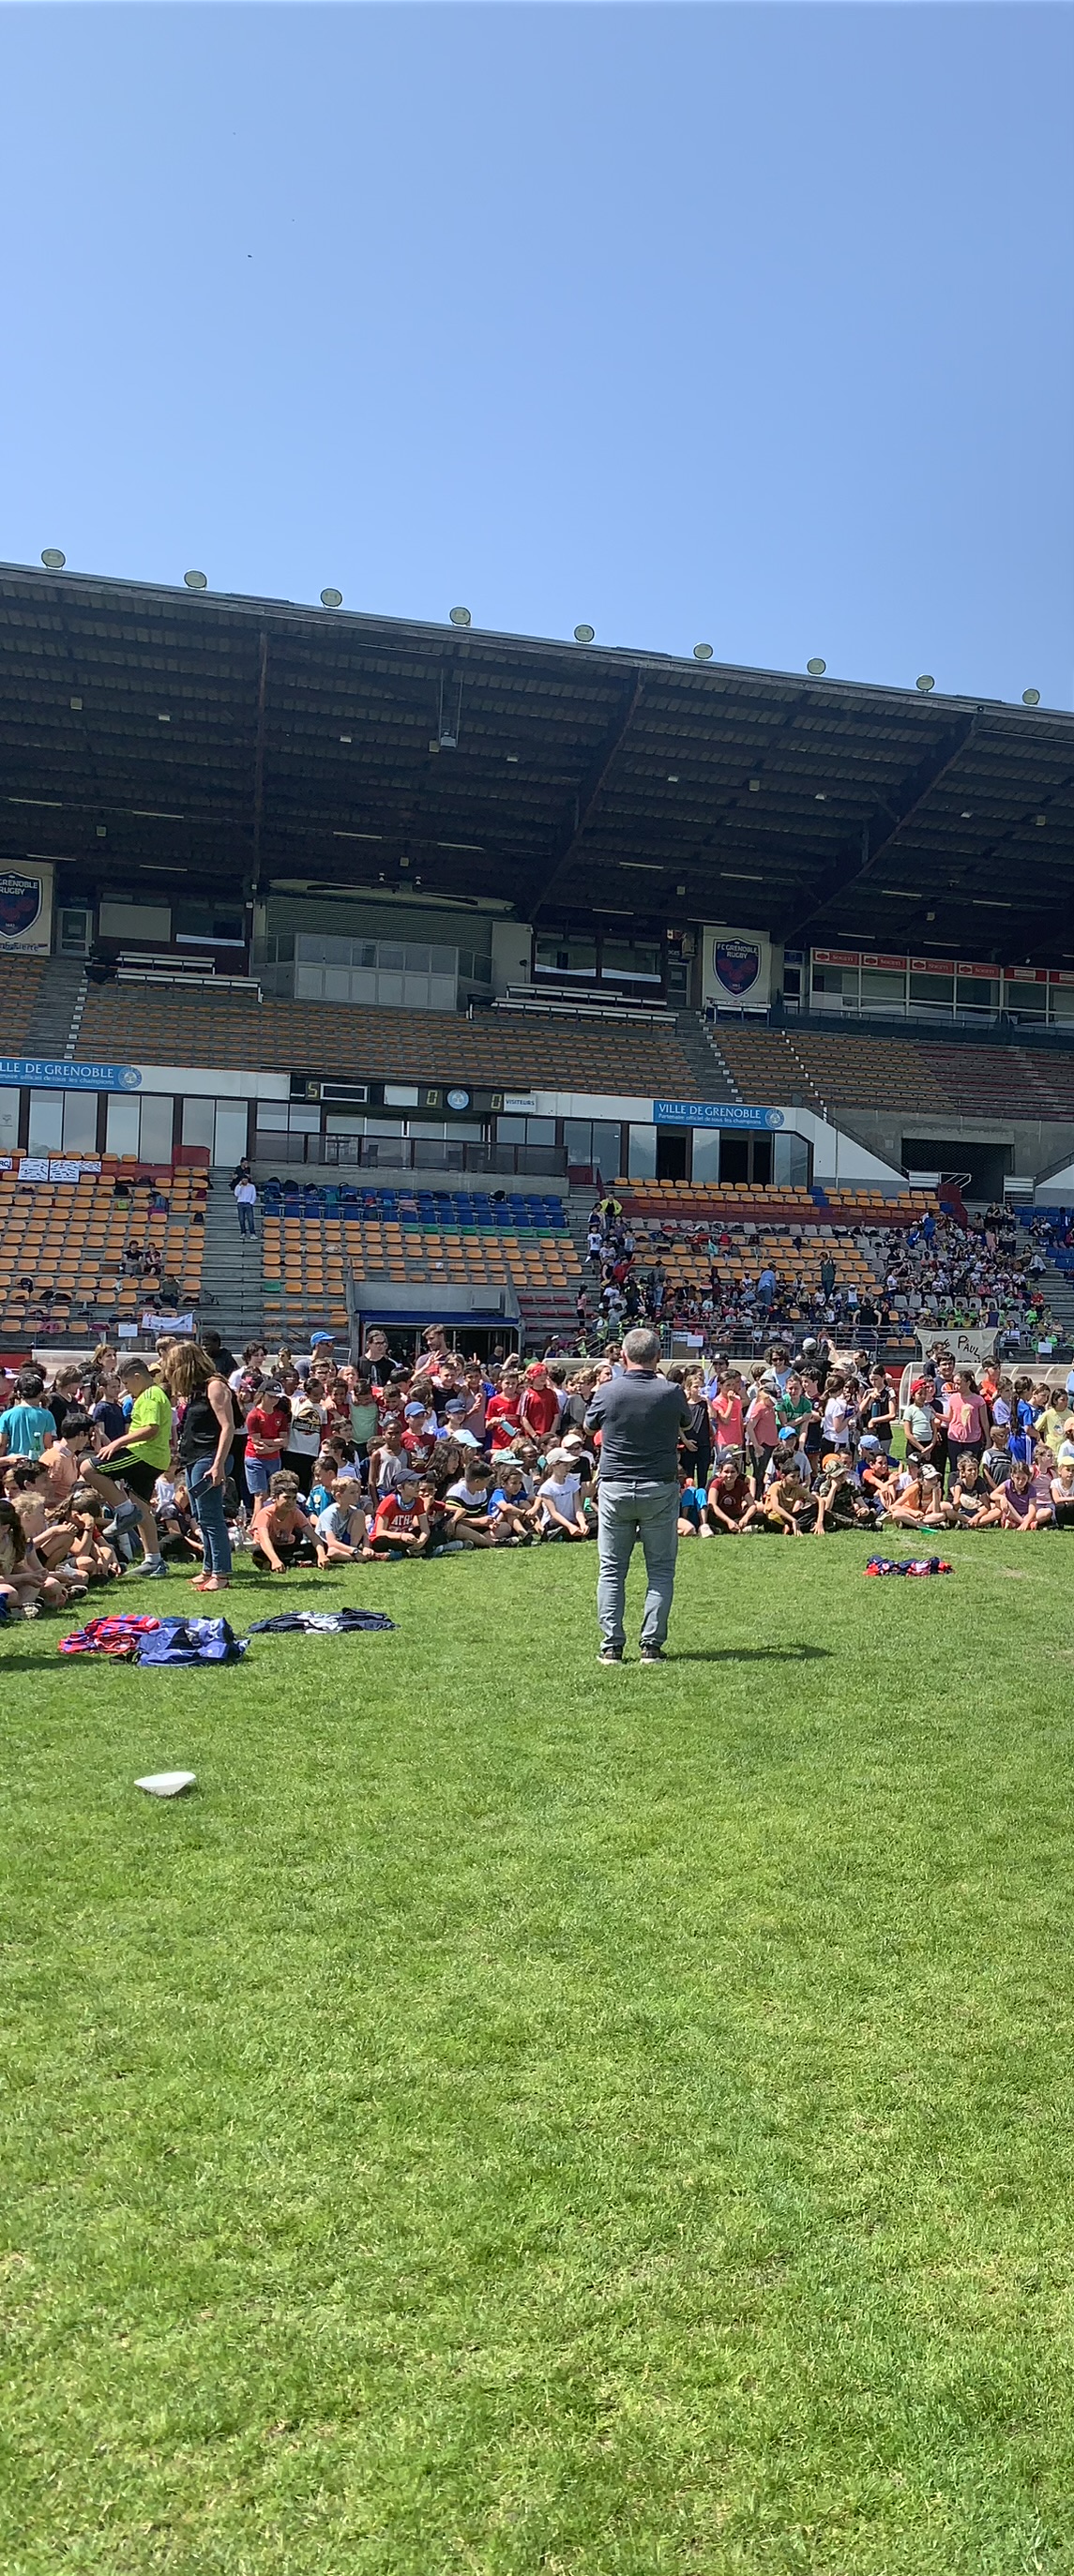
(167, 1323)
(26, 908)
(34, 1167)
(974, 1347)
(736, 968)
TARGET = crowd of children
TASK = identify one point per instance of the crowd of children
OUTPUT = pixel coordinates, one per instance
(297, 1461)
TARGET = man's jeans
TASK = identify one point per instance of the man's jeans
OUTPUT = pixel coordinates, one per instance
(627, 1513)
(246, 1217)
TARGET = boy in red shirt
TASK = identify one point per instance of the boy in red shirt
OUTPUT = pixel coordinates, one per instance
(538, 1412)
(401, 1527)
(502, 1410)
(267, 1426)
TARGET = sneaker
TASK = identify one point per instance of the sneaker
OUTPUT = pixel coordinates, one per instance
(610, 1655)
(652, 1655)
(154, 1568)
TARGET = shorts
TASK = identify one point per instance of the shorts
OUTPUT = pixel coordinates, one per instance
(257, 1472)
(132, 1472)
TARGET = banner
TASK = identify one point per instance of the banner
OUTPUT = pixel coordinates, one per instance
(713, 1113)
(49, 1073)
(970, 1347)
(167, 1324)
(36, 1167)
(26, 909)
(736, 968)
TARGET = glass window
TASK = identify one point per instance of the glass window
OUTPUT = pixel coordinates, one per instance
(559, 953)
(9, 1120)
(198, 1119)
(46, 1122)
(976, 993)
(391, 952)
(80, 1122)
(841, 980)
(155, 1140)
(642, 1154)
(540, 1131)
(790, 1161)
(121, 1124)
(229, 1141)
(511, 1131)
(345, 1126)
(932, 988)
(878, 985)
(706, 1155)
(1061, 1001)
(623, 958)
(401, 1095)
(607, 1146)
(577, 1139)
(1027, 997)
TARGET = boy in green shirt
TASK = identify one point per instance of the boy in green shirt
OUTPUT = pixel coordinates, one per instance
(143, 1454)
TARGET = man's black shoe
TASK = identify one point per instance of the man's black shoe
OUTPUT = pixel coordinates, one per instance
(653, 1655)
(610, 1655)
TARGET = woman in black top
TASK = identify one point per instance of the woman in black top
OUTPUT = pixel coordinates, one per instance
(206, 1431)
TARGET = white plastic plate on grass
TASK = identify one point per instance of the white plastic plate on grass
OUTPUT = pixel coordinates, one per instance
(167, 1784)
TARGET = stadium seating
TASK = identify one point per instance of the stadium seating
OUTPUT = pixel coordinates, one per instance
(308, 1242)
(130, 1024)
(843, 1070)
(20, 986)
(70, 1238)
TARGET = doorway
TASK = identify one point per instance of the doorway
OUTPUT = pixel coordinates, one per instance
(670, 1154)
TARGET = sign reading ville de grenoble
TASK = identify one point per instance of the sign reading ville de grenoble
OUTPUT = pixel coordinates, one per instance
(713, 1113)
(43, 1073)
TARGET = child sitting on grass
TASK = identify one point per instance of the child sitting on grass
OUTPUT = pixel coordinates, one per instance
(730, 1506)
(468, 1498)
(49, 1532)
(509, 1510)
(281, 1533)
(562, 1516)
(401, 1527)
(24, 1582)
(342, 1528)
(90, 1552)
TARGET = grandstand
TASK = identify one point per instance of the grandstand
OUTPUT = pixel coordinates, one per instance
(451, 1239)
(124, 1024)
(65, 1247)
(638, 874)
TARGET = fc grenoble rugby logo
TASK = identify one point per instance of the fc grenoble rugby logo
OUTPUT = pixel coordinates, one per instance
(20, 904)
(737, 963)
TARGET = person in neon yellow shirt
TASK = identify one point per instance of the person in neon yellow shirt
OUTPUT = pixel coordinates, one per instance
(143, 1454)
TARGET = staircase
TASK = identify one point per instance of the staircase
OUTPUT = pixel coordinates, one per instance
(697, 1040)
(231, 1279)
(1058, 1288)
(57, 1013)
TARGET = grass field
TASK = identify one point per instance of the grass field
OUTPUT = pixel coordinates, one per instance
(525, 2117)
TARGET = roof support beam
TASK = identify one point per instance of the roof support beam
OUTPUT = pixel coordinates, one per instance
(878, 833)
(585, 798)
(259, 750)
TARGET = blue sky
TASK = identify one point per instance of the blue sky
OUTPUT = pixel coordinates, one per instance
(751, 324)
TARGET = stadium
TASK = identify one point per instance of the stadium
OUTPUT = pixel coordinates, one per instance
(511, 2116)
(489, 921)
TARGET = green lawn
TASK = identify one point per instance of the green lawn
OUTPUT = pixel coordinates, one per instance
(520, 2116)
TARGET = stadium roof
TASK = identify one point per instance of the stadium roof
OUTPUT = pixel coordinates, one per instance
(224, 743)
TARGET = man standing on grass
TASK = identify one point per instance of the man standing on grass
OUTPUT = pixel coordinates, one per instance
(639, 1416)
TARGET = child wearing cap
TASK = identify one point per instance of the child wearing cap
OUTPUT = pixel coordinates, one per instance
(401, 1526)
(562, 1515)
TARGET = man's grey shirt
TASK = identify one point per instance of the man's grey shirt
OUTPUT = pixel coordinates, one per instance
(639, 1418)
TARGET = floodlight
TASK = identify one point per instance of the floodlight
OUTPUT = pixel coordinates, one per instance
(925, 682)
(331, 599)
(195, 581)
(583, 634)
(52, 559)
(816, 668)
(76, 706)
(511, 758)
(702, 652)
(1041, 819)
(680, 889)
(459, 616)
(821, 797)
(673, 778)
(1031, 697)
(755, 787)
